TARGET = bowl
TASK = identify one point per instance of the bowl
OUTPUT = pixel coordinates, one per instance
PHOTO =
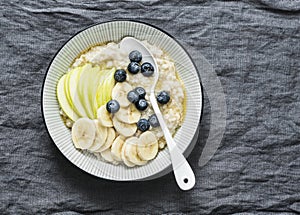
(114, 31)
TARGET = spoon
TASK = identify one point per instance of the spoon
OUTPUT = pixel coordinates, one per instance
(183, 172)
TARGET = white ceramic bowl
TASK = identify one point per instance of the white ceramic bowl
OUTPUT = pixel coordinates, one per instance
(115, 31)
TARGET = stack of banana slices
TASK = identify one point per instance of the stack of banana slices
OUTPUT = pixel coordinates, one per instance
(113, 135)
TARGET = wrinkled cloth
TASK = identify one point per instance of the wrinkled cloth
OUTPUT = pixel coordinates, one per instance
(254, 47)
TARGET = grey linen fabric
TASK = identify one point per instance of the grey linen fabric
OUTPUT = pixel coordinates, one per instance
(255, 49)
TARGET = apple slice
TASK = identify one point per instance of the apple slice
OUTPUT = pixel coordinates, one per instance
(87, 86)
(91, 87)
(85, 89)
(106, 83)
(62, 99)
(73, 92)
(99, 94)
(82, 89)
(67, 86)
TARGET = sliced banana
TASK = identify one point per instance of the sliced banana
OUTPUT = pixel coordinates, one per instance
(107, 156)
(124, 159)
(124, 129)
(111, 135)
(119, 93)
(75, 141)
(128, 115)
(100, 138)
(104, 117)
(83, 133)
(130, 151)
(148, 146)
(116, 148)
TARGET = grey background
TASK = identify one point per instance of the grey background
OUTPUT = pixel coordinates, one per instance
(254, 47)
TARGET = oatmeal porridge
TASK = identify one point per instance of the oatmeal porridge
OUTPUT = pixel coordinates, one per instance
(104, 98)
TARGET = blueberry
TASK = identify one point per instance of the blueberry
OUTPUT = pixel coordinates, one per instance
(163, 97)
(141, 92)
(135, 56)
(134, 67)
(141, 104)
(120, 75)
(147, 69)
(112, 106)
(143, 125)
(153, 121)
(132, 96)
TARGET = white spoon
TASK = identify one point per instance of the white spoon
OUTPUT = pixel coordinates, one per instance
(183, 172)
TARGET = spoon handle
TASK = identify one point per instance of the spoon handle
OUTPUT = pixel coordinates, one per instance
(183, 172)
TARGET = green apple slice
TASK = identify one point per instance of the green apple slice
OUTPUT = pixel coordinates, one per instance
(66, 87)
(85, 89)
(92, 79)
(75, 101)
(62, 99)
(106, 83)
(85, 84)
(99, 92)
(96, 77)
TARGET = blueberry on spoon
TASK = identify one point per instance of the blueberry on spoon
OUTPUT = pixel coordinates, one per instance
(147, 69)
(134, 67)
(135, 56)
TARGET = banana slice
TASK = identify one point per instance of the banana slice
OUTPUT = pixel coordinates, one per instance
(124, 159)
(119, 93)
(100, 138)
(124, 129)
(130, 151)
(128, 115)
(83, 133)
(148, 146)
(111, 135)
(116, 148)
(107, 156)
(104, 117)
(75, 141)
